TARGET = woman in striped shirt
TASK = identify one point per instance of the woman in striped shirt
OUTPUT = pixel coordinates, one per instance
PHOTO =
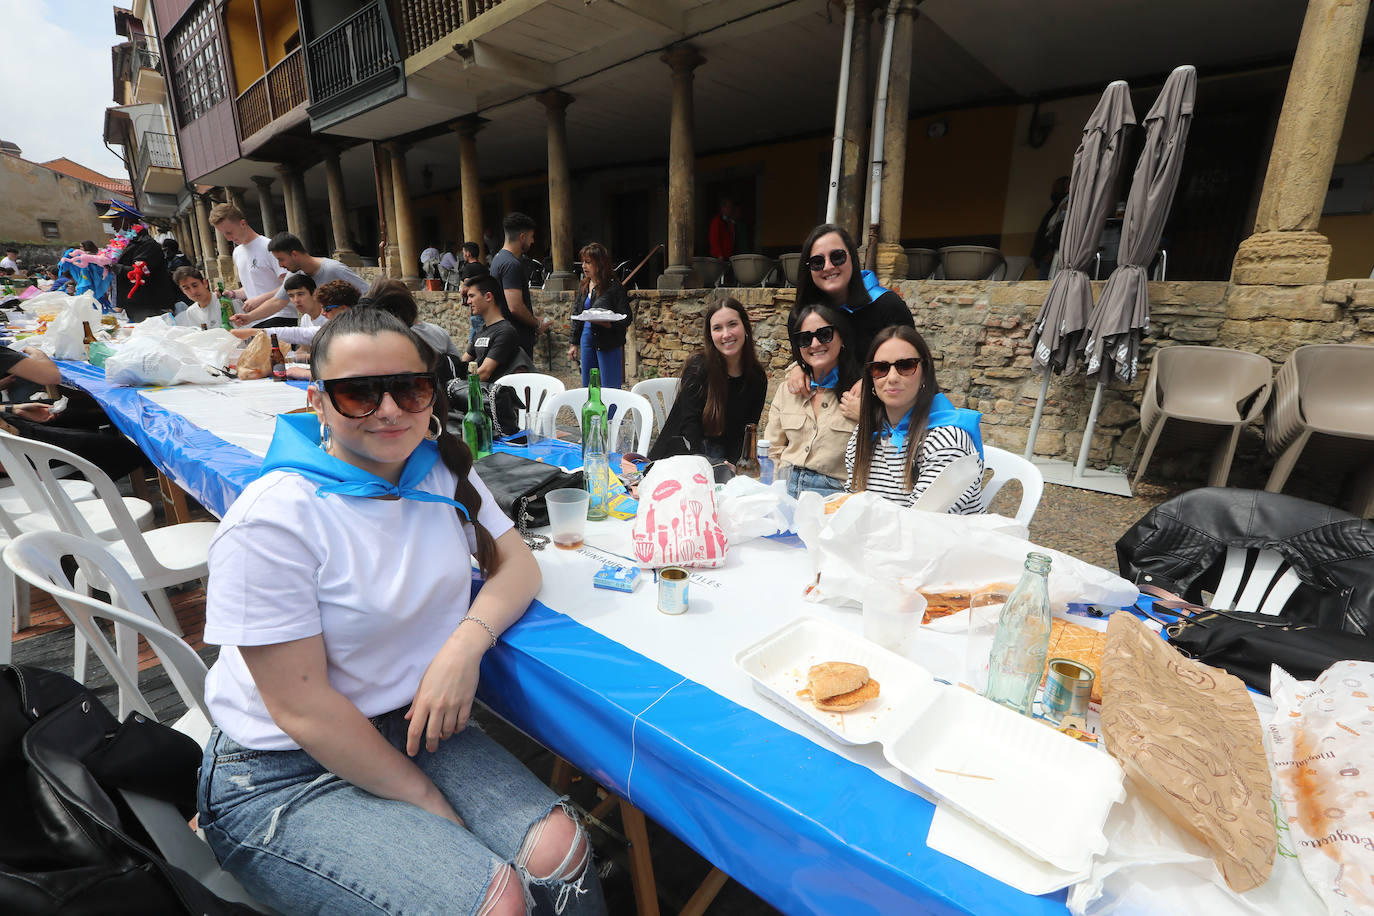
(895, 451)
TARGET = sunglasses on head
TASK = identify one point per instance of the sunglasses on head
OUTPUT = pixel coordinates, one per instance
(360, 395)
(820, 335)
(838, 257)
(332, 307)
(879, 368)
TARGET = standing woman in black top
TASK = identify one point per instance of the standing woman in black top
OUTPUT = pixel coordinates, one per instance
(832, 275)
(601, 344)
(722, 391)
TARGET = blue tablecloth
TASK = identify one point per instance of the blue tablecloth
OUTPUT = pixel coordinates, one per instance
(804, 828)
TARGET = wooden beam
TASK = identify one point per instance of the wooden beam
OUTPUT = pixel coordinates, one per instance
(656, 14)
(515, 67)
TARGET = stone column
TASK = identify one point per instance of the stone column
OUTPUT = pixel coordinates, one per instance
(338, 212)
(467, 129)
(858, 113)
(560, 192)
(1286, 249)
(684, 59)
(391, 257)
(288, 194)
(301, 201)
(207, 247)
(891, 261)
(405, 218)
(192, 244)
(225, 261)
(265, 207)
(235, 197)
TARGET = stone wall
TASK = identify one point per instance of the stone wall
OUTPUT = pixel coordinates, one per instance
(980, 332)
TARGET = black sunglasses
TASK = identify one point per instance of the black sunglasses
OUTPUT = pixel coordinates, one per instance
(820, 335)
(838, 257)
(360, 395)
(879, 368)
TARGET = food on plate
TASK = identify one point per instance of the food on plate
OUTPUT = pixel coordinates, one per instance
(840, 686)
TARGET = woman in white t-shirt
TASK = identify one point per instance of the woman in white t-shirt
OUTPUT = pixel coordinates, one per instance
(341, 776)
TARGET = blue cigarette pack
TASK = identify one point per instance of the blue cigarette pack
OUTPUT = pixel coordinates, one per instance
(616, 578)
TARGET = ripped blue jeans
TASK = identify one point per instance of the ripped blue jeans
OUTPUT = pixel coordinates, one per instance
(300, 839)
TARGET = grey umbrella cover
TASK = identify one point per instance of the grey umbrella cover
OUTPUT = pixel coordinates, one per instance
(1123, 311)
(1096, 162)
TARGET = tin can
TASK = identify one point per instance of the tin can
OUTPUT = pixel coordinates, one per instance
(672, 590)
(1068, 687)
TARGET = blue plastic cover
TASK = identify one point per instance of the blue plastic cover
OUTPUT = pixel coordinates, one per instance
(801, 826)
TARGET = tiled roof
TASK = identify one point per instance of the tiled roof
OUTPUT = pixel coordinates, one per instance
(77, 170)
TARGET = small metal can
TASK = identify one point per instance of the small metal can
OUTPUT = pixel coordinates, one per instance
(1068, 687)
(672, 590)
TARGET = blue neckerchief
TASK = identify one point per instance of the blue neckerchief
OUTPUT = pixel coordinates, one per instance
(897, 433)
(942, 413)
(871, 286)
(296, 448)
(832, 378)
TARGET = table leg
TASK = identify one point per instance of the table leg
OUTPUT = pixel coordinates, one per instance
(173, 500)
(705, 893)
(562, 777)
(641, 861)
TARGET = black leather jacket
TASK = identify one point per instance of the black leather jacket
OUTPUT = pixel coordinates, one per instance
(1185, 539)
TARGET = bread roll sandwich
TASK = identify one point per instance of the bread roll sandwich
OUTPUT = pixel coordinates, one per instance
(840, 686)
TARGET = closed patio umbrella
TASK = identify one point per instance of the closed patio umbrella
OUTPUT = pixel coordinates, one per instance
(1096, 162)
(1112, 337)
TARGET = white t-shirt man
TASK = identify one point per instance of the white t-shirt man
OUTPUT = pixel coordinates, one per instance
(288, 565)
(259, 273)
(9, 263)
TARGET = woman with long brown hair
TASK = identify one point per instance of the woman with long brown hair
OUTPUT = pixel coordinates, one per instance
(722, 390)
(601, 344)
(908, 430)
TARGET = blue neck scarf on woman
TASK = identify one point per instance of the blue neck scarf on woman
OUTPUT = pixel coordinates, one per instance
(296, 448)
(899, 432)
(942, 413)
(832, 378)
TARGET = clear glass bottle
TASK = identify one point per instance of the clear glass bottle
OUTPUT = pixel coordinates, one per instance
(1022, 642)
(593, 407)
(476, 424)
(767, 469)
(596, 470)
(748, 463)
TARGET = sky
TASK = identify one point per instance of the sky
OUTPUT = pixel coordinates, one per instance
(56, 74)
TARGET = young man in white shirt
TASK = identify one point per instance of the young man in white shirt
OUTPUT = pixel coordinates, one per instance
(258, 272)
(192, 284)
(292, 256)
(10, 261)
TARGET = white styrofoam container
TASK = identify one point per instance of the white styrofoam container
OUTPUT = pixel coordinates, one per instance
(1041, 790)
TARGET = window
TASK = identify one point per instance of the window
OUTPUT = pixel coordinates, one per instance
(197, 73)
(49, 229)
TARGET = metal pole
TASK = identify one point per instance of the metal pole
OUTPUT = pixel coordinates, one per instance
(1088, 432)
(879, 117)
(832, 201)
(1035, 418)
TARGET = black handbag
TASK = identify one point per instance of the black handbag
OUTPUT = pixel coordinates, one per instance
(69, 844)
(519, 486)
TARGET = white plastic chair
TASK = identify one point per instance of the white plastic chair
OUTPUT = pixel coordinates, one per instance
(156, 559)
(38, 513)
(533, 389)
(36, 558)
(618, 401)
(1006, 466)
(660, 393)
(1265, 588)
(14, 595)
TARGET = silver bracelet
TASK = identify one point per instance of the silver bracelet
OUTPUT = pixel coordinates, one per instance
(486, 626)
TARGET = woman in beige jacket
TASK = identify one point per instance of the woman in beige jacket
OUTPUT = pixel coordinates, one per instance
(807, 432)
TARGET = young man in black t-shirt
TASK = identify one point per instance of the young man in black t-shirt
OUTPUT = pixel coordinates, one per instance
(496, 347)
(513, 273)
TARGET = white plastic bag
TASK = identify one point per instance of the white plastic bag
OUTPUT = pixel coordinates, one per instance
(153, 360)
(748, 509)
(65, 337)
(872, 539)
(676, 524)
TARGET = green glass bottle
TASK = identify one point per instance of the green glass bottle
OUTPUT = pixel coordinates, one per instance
(592, 408)
(476, 425)
(226, 308)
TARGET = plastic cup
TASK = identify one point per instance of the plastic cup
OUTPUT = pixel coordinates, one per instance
(567, 517)
(985, 610)
(892, 616)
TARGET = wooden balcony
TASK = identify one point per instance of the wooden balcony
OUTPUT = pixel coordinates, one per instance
(423, 22)
(275, 94)
(352, 60)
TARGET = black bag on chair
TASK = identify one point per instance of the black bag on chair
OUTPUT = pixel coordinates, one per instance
(1247, 645)
(68, 844)
(519, 485)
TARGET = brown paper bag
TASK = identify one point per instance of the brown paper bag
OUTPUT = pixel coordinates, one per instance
(256, 359)
(1189, 739)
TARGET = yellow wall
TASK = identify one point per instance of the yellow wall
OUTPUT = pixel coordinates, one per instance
(278, 24)
(790, 181)
(1352, 234)
(956, 185)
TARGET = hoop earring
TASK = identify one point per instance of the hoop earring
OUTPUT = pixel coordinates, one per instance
(324, 436)
(436, 427)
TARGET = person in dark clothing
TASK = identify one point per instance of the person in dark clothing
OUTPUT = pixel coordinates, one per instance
(496, 347)
(512, 269)
(144, 285)
(722, 391)
(82, 428)
(1046, 241)
(601, 344)
(830, 275)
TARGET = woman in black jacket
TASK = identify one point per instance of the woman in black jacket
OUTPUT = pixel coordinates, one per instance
(722, 391)
(601, 344)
